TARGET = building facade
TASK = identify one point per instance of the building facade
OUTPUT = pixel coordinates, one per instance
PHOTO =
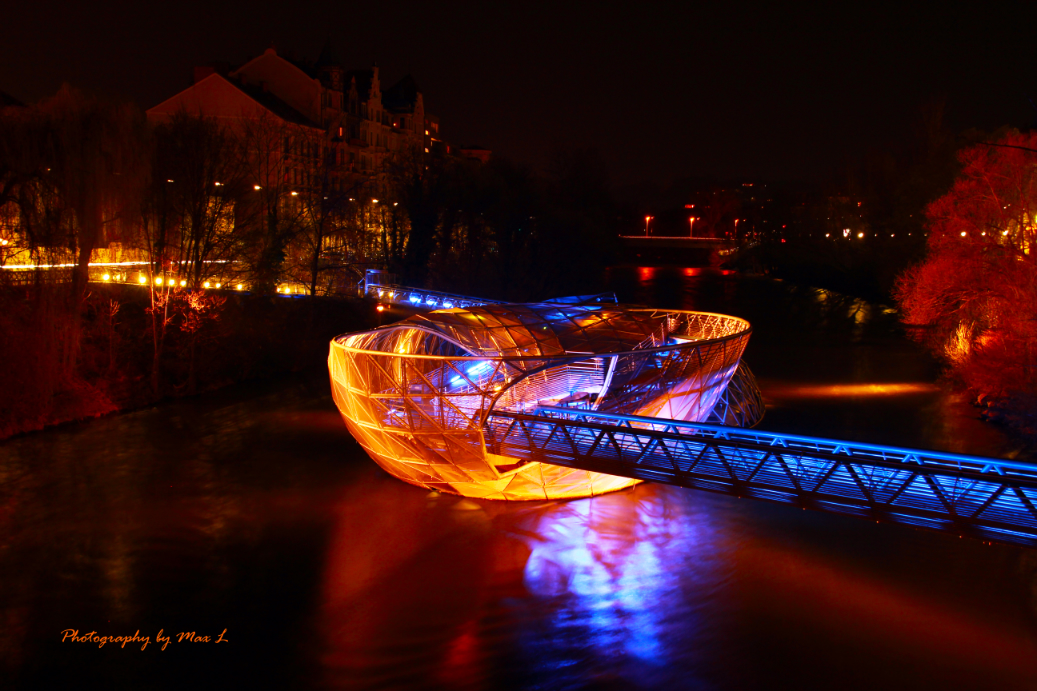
(357, 125)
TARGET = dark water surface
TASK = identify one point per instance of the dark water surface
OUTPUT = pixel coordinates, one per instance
(253, 510)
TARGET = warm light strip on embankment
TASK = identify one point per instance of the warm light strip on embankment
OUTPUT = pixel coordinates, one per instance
(69, 266)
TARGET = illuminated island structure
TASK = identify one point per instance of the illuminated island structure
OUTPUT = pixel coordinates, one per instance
(417, 394)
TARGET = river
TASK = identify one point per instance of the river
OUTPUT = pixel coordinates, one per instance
(252, 513)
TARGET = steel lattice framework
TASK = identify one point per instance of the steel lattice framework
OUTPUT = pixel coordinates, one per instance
(984, 497)
(417, 394)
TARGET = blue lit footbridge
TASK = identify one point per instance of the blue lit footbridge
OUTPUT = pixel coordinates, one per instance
(579, 396)
(986, 498)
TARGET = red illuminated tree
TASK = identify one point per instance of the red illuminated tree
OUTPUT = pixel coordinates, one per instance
(977, 288)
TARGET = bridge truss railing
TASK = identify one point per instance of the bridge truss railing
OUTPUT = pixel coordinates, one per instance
(988, 498)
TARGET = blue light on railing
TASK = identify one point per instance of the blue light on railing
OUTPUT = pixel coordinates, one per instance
(478, 368)
(415, 299)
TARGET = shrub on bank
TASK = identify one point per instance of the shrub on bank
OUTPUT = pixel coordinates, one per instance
(241, 337)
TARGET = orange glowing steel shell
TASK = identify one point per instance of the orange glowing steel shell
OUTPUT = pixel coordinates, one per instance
(416, 393)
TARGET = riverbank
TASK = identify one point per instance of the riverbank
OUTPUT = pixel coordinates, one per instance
(235, 338)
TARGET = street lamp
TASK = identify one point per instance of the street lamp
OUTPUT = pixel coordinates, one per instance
(647, 219)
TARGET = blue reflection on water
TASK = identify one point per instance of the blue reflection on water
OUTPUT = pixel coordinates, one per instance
(614, 572)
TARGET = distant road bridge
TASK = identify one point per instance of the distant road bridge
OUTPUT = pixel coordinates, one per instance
(677, 251)
(675, 241)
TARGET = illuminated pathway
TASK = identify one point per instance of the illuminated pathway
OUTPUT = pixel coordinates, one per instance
(433, 299)
(983, 497)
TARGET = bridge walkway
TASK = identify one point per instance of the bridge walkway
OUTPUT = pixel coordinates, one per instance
(987, 498)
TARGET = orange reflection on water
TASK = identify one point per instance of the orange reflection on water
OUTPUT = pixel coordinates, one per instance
(847, 390)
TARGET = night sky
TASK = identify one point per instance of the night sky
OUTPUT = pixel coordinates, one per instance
(661, 91)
